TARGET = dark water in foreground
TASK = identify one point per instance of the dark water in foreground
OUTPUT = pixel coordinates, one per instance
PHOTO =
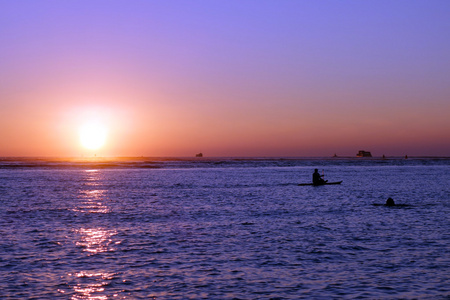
(224, 229)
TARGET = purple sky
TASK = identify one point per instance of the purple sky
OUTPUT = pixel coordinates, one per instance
(227, 78)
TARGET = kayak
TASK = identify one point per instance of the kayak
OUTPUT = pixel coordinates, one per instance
(325, 183)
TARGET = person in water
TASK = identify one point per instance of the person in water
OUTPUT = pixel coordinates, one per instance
(317, 178)
(390, 202)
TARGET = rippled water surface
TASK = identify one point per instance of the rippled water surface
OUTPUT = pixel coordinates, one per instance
(224, 229)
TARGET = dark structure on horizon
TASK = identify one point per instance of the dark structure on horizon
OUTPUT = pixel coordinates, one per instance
(363, 153)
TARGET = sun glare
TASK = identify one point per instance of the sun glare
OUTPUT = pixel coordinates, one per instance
(93, 135)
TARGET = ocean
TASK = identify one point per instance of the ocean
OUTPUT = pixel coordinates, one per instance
(224, 228)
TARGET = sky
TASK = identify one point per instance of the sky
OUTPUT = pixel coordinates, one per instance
(225, 78)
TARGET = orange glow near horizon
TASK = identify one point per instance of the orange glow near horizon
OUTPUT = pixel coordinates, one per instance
(94, 129)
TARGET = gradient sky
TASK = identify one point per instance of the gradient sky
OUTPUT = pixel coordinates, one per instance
(226, 78)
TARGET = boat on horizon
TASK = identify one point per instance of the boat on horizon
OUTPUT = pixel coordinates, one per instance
(363, 153)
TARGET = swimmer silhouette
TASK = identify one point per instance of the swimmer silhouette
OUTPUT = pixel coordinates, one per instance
(390, 202)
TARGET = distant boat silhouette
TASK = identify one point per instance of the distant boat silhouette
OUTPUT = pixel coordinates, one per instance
(363, 153)
(199, 155)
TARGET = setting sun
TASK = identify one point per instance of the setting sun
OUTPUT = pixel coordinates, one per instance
(93, 135)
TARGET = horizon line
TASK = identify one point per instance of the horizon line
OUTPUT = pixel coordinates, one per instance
(228, 157)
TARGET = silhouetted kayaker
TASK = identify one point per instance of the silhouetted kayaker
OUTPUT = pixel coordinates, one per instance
(317, 178)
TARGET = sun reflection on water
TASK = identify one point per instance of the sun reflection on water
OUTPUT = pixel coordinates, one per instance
(92, 282)
(92, 198)
(91, 285)
(96, 240)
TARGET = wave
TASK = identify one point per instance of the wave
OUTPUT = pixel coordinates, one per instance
(218, 162)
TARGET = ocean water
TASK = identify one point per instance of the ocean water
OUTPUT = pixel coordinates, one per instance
(224, 229)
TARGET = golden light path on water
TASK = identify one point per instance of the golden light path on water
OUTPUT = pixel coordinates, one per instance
(93, 240)
(87, 291)
(93, 199)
